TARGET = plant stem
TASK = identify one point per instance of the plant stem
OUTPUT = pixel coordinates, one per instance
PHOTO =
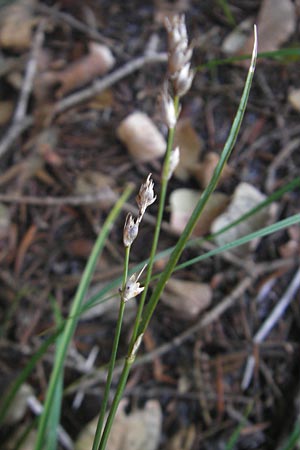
(112, 361)
(8, 398)
(130, 356)
(154, 299)
(161, 206)
(74, 316)
(118, 395)
(150, 307)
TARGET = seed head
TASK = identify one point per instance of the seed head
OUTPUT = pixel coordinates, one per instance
(180, 54)
(131, 229)
(177, 32)
(132, 288)
(168, 108)
(183, 80)
(145, 196)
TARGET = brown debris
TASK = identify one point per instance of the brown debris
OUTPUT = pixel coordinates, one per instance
(97, 62)
(141, 137)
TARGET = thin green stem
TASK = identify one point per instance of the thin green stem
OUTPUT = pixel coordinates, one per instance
(161, 207)
(274, 54)
(8, 398)
(228, 14)
(139, 329)
(154, 299)
(112, 361)
(115, 403)
(132, 349)
(150, 307)
(72, 322)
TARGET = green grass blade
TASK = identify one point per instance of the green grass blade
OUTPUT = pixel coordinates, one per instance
(293, 439)
(150, 307)
(154, 298)
(74, 316)
(113, 356)
(227, 12)
(95, 299)
(244, 240)
(55, 411)
(237, 432)
(8, 398)
(276, 54)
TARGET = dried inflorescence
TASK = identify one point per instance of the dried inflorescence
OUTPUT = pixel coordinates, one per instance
(179, 78)
(144, 199)
(131, 229)
(145, 196)
(132, 287)
(168, 108)
(180, 54)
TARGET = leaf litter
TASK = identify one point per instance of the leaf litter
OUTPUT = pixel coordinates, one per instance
(65, 156)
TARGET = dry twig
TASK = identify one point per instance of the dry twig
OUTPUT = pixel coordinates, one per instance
(100, 85)
(282, 156)
(20, 121)
(74, 23)
(269, 323)
(74, 200)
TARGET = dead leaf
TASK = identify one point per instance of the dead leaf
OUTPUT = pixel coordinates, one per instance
(188, 298)
(190, 146)
(18, 407)
(81, 247)
(203, 172)
(6, 110)
(92, 181)
(184, 439)
(182, 204)
(28, 442)
(102, 101)
(291, 248)
(5, 221)
(245, 197)
(294, 99)
(158, 367)
(16, 25)
(275, 23)
(235, 40)
(25, 243)
(141, 136)
(138, 430)
(97, 62)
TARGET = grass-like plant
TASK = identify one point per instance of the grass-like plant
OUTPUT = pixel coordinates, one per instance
(178, 82)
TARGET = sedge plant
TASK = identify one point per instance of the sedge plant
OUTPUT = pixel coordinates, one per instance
(178, 82)
(106, 293)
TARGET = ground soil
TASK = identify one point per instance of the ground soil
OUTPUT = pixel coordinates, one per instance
(44, 248)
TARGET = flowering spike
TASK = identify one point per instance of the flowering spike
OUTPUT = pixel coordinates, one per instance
(168, 108)
(131, 229)
(180, 54)
(145, 196)
(132, 288)
(184, 80)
